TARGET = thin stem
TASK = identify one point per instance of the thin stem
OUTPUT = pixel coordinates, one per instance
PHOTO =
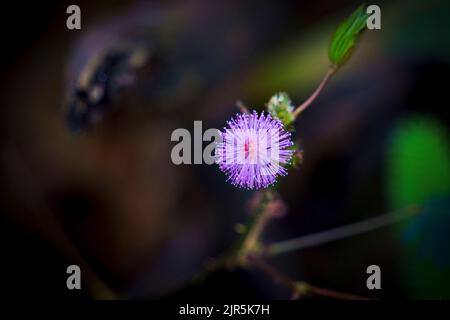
(335, 294)
(331, 70)
(340, 232)
(248, 242)
(250, 239)
(299, 288)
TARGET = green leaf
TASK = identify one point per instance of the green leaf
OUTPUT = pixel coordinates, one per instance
(280, 106)
(346, 36)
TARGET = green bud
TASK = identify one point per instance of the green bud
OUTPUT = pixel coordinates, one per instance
(280, 106)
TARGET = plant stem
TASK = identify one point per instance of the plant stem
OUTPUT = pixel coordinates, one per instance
(250, 239)
(299, 288)
(331, 70)
(248, 242)
(340, 232)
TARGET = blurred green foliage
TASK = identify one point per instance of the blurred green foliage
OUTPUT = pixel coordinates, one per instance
(419, 162)
(418, 173)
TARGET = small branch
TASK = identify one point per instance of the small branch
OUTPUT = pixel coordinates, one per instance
(335, 294)
(299, 288)
(273, 273)
(340, 232)
(248, 242)
(331, 70)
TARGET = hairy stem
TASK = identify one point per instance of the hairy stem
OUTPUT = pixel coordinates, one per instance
(340, 232)
(331, 70)
(248, 242)
(250, 239)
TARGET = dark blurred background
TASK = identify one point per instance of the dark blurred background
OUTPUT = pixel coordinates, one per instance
(99, 190)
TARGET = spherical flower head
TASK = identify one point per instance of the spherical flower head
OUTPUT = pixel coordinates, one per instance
(254, 150)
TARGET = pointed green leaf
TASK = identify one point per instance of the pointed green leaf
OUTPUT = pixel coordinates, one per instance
(346, 36)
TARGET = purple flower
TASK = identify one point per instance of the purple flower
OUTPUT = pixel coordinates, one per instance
(254, 150)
